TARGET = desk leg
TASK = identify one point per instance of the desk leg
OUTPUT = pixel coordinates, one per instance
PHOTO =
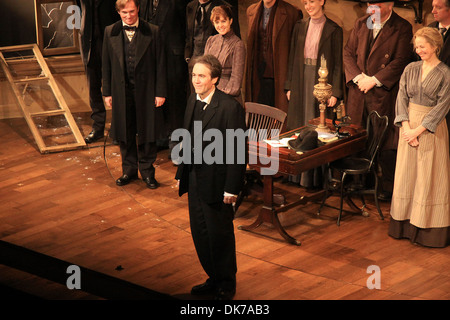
(269, 214)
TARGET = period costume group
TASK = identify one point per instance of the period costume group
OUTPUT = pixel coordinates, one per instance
(168, 63)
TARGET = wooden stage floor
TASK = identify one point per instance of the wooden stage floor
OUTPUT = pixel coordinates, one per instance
(65, 209)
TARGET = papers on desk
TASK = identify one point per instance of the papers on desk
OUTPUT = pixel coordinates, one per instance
(327, 137)
(324, 137)
(282, 143)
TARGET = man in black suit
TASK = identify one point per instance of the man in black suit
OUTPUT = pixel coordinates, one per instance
(212, 186)
(170, 17)
(95, 16)
(134, 85)
(199, 27)
(441, 13)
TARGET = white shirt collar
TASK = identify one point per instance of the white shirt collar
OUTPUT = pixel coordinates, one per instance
(136, 24)
(207, 100)
(441, 26)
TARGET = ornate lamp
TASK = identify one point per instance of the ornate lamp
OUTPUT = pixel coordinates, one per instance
(322, 92)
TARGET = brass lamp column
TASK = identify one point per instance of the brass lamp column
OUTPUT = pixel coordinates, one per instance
(322, 92)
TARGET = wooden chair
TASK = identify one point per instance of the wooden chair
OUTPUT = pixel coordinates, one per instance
(360, 168)
(261, 120)
(259, 116)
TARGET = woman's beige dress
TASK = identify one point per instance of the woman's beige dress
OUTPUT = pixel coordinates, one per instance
(420, 208)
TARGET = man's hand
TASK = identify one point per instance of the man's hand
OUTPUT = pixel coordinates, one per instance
(332, 101)
(229, 199)
(366, 83)
(288, 95)
(159, 101)
(108, 101)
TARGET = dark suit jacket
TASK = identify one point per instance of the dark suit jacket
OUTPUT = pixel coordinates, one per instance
(191, 12)
(171, 19)
(107, 14)
(389, 56)
(150, 78)
(223, 113)
(444, 56)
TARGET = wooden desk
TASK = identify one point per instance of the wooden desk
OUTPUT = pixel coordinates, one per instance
(292, 163)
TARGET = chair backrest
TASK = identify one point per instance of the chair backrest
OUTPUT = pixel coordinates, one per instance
(259, 116)
(376, 127)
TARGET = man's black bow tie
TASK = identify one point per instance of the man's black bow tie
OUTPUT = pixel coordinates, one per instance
(199, 106)
(129, 28)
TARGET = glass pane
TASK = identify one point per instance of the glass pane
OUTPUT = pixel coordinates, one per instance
(38, 96)
(22, 64)
(54, 17)
(54, 130)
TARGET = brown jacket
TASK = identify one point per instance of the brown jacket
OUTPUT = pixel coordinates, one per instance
(389, 56)
(286, 16)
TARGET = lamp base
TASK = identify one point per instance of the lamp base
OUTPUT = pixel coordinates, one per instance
(323, 129)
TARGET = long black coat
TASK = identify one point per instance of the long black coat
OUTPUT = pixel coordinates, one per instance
(150, 78)
(223, 113)
(106, 13)
(330, 45)
(170, 17)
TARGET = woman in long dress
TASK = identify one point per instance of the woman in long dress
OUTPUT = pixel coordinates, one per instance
(229, 49)
(420, 207)
(311, 38)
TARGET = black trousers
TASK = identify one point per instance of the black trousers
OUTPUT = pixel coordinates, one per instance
(94, 79)
(136, 157)
(213, 234)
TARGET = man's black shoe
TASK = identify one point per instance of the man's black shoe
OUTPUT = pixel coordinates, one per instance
(151, 183)
(223, 294)
(94, 136)
(206, 288)
(125, 179)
